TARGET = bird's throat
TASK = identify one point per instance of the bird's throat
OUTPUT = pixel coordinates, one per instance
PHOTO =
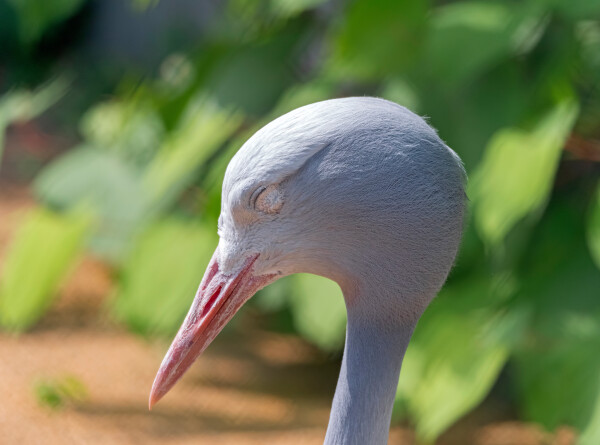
(366, 389)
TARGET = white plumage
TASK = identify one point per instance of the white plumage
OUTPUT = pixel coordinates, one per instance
(359, 190)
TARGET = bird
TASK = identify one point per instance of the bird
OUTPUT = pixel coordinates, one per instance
(359, 190)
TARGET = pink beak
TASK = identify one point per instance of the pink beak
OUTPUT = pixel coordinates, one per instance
(218, 298)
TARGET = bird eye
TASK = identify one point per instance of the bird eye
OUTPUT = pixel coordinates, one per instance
(255, 195)
(267, 199)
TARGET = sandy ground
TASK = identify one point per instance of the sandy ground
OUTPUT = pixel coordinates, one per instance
(250, 387)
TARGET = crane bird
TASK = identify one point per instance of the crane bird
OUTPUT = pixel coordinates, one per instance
(359, 190)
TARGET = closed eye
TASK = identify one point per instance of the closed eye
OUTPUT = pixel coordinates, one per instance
(255, 196)
(267, 199)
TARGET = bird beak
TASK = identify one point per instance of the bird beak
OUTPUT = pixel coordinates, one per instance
(218, 299)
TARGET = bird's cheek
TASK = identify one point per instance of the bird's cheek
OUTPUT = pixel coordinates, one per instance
(267, 264)
(231, 255)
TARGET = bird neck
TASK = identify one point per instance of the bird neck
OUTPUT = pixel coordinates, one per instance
(366, 389)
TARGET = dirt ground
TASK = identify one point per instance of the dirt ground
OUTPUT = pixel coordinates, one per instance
(250, 387)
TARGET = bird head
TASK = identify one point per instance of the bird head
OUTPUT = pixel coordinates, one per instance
(355, 189)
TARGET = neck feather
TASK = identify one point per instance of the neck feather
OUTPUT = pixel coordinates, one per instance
(364, 397)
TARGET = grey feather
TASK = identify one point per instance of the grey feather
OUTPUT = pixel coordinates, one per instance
(364, 192)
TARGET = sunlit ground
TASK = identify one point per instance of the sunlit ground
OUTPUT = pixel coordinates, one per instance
(79, 378)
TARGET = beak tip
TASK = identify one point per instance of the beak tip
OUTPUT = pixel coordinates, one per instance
(198, 329)
(155, 395)
(153, 400)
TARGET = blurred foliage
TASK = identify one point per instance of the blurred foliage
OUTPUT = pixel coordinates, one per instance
(327, 331)
(593, 228)
(512, 86)
(456, 354)
(500, 200)
(36, 16)
(41, 254)
(321, 319)
(159, 279)
(129, 170)
(22, 105)
(56, 392)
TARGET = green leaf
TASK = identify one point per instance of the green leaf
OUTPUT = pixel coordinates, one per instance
(559, 379)
(252, 78)
(517, 171)
(107, 186)
(489, 32)
(451, 364)
(591, 434)
(557, 274)
(203, 128)
(576, 9)
(557, 368)
(131, 130)
(290, 8)
(593, 229)
(318, 310)
(275, 296)
(56, 392)
(378, 37)
(466, 118)
(457, 351)
(48, 395)
(36, 16)
(478, 29)
(42, 252)
(160, 277)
